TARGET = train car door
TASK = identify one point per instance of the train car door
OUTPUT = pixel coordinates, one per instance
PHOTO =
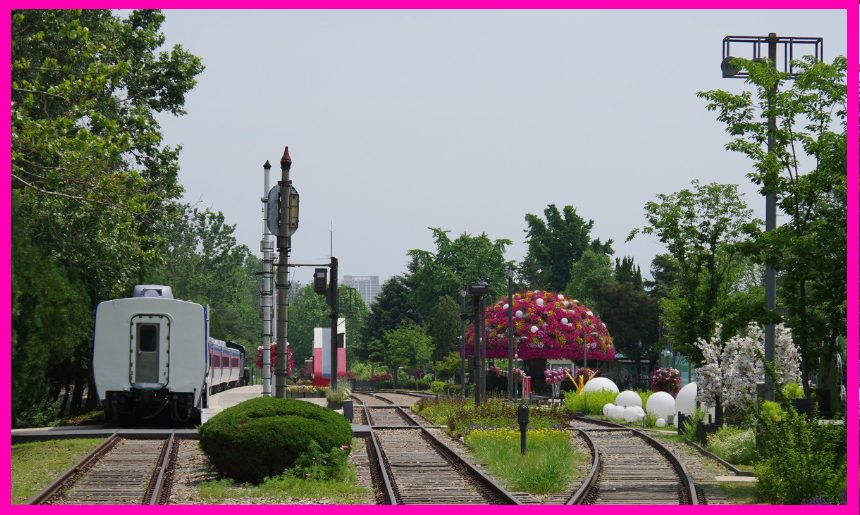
(150, 349)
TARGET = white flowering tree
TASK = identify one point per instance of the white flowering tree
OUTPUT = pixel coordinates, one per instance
(731, 370)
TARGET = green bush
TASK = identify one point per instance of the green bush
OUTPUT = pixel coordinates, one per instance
(455, 390)
(737, 446)
(801, 459)
(437, 387)
(793, 391)
(264, 436)
(771, 412)
(588, 403)
(388, 384)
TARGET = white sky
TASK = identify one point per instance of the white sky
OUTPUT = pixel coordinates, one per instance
(463, 120)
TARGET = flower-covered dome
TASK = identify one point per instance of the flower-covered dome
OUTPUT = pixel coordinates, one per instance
(553, 326)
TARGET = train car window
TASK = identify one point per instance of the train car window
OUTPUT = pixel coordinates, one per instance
(234, 363)
(147, 337)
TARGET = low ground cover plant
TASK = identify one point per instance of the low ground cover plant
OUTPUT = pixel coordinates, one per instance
(460, 414)
(589, 403)
(801, 459)
(734, 445)
(548, 465)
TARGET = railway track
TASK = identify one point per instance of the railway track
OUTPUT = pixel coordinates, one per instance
(119, 471)
(413, 466)
(628, 467)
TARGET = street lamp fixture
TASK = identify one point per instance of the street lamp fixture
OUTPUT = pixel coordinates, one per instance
(730, 71)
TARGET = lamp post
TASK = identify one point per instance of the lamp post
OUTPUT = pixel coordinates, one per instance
(463, 317)
(478, 290)
(510, 274)
(730, 71)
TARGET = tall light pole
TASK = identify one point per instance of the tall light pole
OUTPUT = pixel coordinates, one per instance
(730, 71)
(463, 317)
(510, 274)
(266, 247)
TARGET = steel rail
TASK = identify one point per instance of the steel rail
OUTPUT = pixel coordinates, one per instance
(164, 460)
(57, 484)
(677, 464)
(376, 460)
(579, 496)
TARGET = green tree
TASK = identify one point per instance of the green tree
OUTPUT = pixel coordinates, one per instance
(806, 171)
(308, 310)
(555, 245)
(50, 316)
(587, 276)
(633, 319)
(87, 160)
(88, 168)
(406, 346)
(390, 309)
(700, 229)
(455, 265)
(203, 263)
(448, 367)
(445, 328)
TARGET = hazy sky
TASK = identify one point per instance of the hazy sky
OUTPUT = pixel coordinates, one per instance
(464, 120)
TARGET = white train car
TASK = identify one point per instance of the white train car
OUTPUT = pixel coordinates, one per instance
(150, 354)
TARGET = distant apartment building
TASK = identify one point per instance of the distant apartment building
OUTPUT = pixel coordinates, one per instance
(367, 286)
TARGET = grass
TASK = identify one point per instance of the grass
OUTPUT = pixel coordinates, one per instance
(286, 488)
(34, 465)
(741, 493)
(547, 467)
(736, 446)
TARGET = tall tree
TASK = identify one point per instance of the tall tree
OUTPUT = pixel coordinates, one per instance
(700, 229)
(587, 276)
(87, 159)
(556, 244)
(390, 309)
(633, 318)
(806, 170)
(88, 167)
(445, 328)
(203, 263)
(408, 346)
(309, 310)
(455, 265)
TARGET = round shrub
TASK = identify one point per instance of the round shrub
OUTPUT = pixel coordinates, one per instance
(262, 437)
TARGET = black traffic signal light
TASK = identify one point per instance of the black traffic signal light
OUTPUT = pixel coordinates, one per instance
(321, 280)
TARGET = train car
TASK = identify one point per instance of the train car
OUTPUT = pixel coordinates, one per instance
(152, 353)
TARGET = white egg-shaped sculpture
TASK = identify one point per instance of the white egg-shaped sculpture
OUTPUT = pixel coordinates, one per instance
(506, 306)
(617, 412)
(534, 329)
(660, 404)
(564, 321)
(519, 313)
(685, 401)
(600, 383)
(661, 422)
(630, 414)
(640, 410)
(640, 417)
(539, 302)
(607, 408)
(628, 398)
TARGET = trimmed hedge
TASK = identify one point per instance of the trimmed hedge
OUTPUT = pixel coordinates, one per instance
(262, 437)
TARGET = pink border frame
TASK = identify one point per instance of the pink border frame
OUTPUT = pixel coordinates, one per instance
(853, 150)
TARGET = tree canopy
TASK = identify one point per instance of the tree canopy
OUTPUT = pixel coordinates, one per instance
(454, 265)
(555, 245)
(91, 181)
(700, 229)
(806, 170)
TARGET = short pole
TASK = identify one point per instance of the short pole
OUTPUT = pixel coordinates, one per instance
(523, 420)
